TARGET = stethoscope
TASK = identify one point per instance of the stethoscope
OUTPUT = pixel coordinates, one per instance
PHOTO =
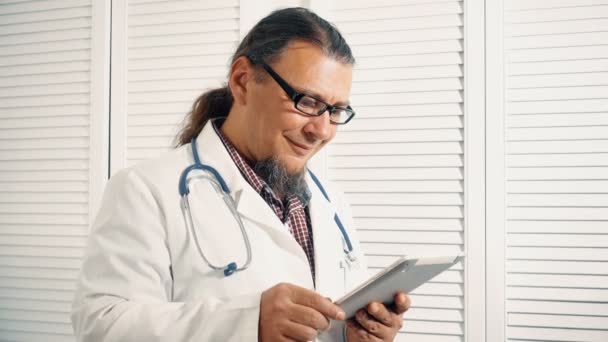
(220, 186)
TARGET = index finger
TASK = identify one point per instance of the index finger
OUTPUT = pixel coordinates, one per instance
(317, 302)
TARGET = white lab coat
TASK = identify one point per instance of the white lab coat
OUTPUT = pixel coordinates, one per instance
(143, 278)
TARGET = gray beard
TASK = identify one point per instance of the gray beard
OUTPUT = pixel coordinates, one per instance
(280, 180)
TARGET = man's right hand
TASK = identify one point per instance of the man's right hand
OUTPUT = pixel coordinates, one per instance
(292, 313)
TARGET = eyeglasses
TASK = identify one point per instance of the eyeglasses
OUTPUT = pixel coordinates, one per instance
(310, 105)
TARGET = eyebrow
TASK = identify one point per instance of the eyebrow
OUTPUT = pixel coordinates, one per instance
(320, 97)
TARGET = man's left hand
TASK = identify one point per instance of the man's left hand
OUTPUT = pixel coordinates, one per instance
(377, 322)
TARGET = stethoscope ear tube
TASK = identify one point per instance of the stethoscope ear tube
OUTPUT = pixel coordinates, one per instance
(231, 267)
(190, 226)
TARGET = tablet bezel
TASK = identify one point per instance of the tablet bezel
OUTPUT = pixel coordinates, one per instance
(403, 264)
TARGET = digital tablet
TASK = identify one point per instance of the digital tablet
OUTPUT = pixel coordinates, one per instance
(403, 275)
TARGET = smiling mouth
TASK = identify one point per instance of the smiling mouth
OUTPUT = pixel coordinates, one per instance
(300, 148)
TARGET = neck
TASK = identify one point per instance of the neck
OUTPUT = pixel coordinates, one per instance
(232, 128)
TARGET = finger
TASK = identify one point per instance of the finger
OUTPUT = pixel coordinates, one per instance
(372, 325)
(354, 328)
(298, 332)
(381, 313)
(309, 317)
(402, 303)
(315, 301)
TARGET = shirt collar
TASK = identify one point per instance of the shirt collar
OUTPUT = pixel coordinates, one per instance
(258, 184)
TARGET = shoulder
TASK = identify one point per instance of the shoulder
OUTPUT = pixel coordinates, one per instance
(155, 174)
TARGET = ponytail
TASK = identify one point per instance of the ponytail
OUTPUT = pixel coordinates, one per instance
(211, 104)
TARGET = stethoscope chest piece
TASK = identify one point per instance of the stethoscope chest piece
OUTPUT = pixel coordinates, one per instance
(351, 260)
(230, 269)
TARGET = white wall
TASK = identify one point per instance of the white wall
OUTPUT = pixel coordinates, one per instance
(401, 161)
(548, 169)
(54, 61)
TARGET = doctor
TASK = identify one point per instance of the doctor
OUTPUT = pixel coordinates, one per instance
(148, 271)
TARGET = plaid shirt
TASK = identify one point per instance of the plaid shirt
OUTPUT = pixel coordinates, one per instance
(293, 212)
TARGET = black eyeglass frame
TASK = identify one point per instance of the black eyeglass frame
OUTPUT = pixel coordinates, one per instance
(296, 96)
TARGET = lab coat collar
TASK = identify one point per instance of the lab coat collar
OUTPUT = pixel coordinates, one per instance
(249, 203)
(212, 152)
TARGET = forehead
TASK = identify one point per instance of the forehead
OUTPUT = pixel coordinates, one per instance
(308, 69)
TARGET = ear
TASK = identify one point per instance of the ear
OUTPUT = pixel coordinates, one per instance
(241, 76)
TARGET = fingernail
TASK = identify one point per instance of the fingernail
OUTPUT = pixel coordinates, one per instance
(373, 308)
(341, 315)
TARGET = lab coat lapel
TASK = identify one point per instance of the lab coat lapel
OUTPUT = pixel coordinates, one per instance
(327, 243)
(250, 205)
(253, 207)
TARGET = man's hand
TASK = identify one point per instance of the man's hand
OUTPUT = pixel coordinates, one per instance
(292, 313)
(377, 322)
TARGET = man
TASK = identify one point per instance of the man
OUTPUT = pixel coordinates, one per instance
(148, 273)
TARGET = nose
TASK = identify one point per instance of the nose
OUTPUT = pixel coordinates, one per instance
(319, 127)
